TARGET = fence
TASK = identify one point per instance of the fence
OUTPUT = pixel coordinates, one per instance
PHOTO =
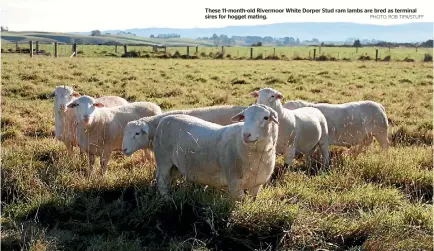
(148, 50)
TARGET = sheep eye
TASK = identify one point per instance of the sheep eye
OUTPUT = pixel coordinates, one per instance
(266, 117)
(272, 96)
(137, 133)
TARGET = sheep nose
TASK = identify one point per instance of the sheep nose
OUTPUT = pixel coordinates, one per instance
(62, 107)
(246, 136)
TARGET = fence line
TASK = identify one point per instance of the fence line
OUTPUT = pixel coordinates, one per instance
(313, 53)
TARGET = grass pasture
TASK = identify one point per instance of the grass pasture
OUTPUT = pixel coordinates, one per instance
(236, 52)
(375, 201)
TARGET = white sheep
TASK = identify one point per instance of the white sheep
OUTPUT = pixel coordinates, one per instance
(139, 133)
(100, 129)
(352, 124)
(65, 124)
(237, 157)
(300, 130)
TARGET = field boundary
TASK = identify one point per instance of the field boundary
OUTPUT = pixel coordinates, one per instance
(145, 50)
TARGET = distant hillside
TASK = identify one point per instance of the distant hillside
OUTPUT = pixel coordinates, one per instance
(338, 31)
(104, 39)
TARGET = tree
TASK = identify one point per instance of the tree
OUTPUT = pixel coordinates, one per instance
(215, 38)
(428, 43)
(152, 36)
(357, 43)
(4, 28)
(95, 33)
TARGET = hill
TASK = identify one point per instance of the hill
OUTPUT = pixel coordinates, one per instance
(9, 37)
(330, 31)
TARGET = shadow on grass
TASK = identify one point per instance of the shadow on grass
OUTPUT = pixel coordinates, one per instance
(139, 214)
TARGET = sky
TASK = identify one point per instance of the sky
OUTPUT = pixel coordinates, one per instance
(87, 15)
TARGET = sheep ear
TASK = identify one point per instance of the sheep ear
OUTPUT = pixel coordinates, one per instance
(279, 96)
(76, 94)
(71, 105)
(254, 94)
(237, 118)
(98, 104)
(274, 118)
(145, 128)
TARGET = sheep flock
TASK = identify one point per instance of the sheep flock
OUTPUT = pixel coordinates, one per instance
(228, 147)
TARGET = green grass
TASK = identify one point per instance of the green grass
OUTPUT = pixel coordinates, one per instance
(21, 37)
(375, 201)
(235, 52)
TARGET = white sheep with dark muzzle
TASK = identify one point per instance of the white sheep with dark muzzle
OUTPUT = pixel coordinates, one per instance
(237, 157)
(139, 133)
(351, 124)
(65, 123)
(100, 128)
(300, 130)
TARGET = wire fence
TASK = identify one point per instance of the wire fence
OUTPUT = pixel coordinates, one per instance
(222, 52)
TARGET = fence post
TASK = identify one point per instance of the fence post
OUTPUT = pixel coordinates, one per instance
(74, 48)
(314, 54)
(116, 48)
(319, 52)
(165, 49)
(223, 50)
(56, 49)
(251, 53)
(37, 47)
(338, 55)
(274, 52)
(197, 49)
(357, 49)
(188, 51)
(16, 46)
(389, 48)
(416, 48)
(31, 48)
(125, 49)
(309, 54)
(376, 55)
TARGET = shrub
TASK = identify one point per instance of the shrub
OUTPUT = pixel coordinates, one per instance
(387, 58)
(176, 54)
(322, 58)
(259, 57)
(131, 54)
(427, 58)
(407, 59)
(365, 58)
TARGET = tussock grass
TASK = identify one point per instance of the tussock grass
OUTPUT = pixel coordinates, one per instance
(374, 201)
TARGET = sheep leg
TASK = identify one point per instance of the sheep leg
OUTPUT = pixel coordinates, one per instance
(91, 162)
(254, 191)
(289, 156)
(103, 160)
(383, 140)
(163, 176)
(324, 146)
(235, 189)
(69, 148)
(309, 158)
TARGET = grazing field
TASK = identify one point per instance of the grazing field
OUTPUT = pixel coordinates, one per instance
(237, 52)
(375, 201)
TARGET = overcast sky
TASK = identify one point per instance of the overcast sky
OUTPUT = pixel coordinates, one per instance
(86, 15)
